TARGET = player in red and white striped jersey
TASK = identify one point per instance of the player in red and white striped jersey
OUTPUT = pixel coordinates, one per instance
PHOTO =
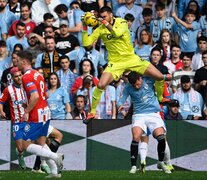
(14, 94)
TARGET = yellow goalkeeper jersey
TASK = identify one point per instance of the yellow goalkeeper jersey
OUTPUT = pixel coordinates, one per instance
(117, 42)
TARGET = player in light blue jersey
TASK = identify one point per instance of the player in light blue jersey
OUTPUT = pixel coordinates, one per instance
(146, 115)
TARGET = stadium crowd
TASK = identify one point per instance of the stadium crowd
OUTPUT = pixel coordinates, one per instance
(169, 34)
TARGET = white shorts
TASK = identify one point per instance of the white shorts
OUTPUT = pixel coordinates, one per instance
(149, 121)
(50, 129)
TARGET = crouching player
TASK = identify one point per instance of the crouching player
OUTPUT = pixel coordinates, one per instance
(15, 96)
(146, 110)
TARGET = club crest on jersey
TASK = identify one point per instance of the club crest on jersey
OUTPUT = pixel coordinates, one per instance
(27, 128)
(29, 84)
(195, 109)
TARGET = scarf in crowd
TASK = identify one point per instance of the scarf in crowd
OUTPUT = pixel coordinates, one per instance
(49, 65)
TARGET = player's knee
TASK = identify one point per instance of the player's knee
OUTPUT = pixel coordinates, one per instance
(101, 85)
(160, 137)
(136, 138)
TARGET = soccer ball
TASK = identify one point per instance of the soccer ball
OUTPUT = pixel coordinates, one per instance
(90, 19)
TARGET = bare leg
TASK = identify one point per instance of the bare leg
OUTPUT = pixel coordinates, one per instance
(154, 73)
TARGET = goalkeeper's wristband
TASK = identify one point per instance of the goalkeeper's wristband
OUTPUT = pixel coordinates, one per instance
(104, 22)
(85, 28)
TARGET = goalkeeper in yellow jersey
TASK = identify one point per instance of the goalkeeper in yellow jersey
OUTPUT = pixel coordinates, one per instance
(121, 57)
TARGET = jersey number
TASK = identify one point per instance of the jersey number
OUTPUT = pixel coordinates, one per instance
(42, 88)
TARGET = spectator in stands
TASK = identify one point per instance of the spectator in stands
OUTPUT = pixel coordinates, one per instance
(86, 67)
(144, 45)
(18, 38)
(58, 99)
(114, 4)
(91, 5)
(186, 70)
(106, 108)
(173, 110)
(203, 21)
(193, 4)
(119, 92)
(48, 22)
(175, 62)
(49, 59)
(79, 109)
(8, 16)
(85, 90)
(18, 47)
(165, 42)
(187, 32)
(77, 28)
(3, 30)
(161, 22)
(130, 19)
(182, 6)
(40, 7)
(200, 78)
(25, 18)
(65, 42)
(5, 61)
(34, 46)
(66, 76)
(147, 18)
(90, 53)
(197, 61)
(191, 101)
(14, 6)
(135, 10)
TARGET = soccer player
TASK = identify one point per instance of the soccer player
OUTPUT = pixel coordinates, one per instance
(121, 57)
(37, 115)
(146, 115)
(15, 96)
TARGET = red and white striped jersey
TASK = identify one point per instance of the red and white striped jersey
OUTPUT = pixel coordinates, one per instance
(15, 96)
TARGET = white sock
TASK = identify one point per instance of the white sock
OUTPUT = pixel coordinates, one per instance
(41, 151)
(52, 165)
(143, 148)
(167, 154)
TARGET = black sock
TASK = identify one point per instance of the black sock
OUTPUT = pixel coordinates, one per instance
(134, 153)
(161, 149)
(54, 145)
(37, 163)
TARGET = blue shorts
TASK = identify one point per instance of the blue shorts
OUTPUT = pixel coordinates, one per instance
(17, 130)
(32, 131)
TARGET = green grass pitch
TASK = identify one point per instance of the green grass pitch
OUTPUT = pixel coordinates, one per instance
(106, 175)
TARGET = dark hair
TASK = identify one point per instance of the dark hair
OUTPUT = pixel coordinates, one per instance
(190, 11)
(92, 71)
(204, 52)
(18, 45)
(147, 12)
(133, 77)
(74, 2)
(87, 79)
(61, 7)
(201, 38)
(159, 6)
(156, 48)
(63, 57)
(25, 55)
(2, 43)
(58, 81)
(197, 12)
(105, 9)
(175, 45)
(20, 23)
(47, 16)
(188, 55)
(129, 17)
(25, 4)
(49, 37)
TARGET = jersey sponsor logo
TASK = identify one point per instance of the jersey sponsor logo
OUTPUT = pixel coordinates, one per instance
(18, 102)
(109, 36)
(29, 84)
(195, 109)
(109, 65)
(27, 128)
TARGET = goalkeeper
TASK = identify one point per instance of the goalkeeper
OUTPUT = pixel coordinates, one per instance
(121, 57)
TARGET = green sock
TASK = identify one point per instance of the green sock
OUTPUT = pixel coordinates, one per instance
(95, 99)
(159, 88)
